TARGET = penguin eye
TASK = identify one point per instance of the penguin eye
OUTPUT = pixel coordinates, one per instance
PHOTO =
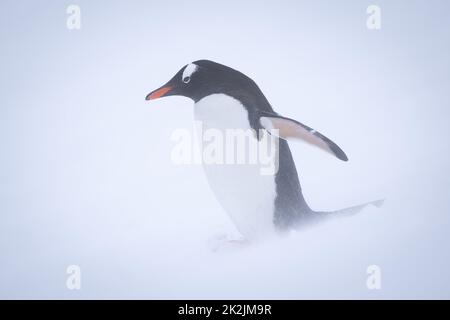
(186, 79)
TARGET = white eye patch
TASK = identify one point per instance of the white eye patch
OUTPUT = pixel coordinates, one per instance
(188, 72)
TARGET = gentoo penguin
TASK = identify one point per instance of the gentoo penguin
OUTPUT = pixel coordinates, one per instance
(259, 205)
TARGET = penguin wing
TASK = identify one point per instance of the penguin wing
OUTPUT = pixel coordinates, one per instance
(287, 128)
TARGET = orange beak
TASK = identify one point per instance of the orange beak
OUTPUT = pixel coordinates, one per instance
(158, 93)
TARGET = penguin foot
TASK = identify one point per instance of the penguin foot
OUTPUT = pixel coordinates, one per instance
(223, 243)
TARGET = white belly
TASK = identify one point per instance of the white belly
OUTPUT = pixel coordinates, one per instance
(244, 192)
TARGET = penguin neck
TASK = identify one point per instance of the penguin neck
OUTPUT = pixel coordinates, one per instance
(221, 111)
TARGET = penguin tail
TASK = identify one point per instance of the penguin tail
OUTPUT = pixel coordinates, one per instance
(348, 211)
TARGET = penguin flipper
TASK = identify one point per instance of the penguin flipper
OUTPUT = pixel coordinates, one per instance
(290, 128)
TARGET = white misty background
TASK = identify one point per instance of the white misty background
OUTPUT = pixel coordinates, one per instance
(85, 170)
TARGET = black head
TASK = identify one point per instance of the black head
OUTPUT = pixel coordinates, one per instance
(202, 78)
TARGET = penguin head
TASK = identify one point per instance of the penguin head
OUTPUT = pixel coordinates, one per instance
(200, 79)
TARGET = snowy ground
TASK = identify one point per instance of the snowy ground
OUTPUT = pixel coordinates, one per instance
(85, 171)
